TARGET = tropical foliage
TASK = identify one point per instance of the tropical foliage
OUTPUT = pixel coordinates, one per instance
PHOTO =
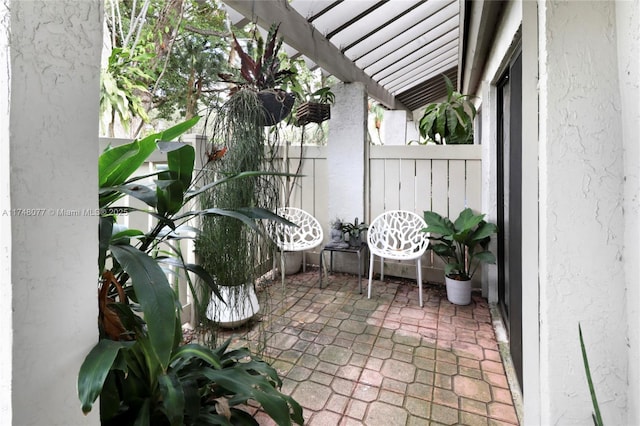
(463, 245)
(140, 368)
(260, 64)
(177, 45)
(451, 121)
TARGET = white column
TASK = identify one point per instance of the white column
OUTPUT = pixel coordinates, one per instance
(582, 256)
(347, 152)
(52, 128)
(6, 327)
(394, 128)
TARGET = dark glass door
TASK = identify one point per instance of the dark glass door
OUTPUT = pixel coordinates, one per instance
(510, 202)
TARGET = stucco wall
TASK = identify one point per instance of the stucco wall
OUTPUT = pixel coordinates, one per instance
(346, 152)
(581, 213)
(628, 42)
(54, 62)
(5, 221)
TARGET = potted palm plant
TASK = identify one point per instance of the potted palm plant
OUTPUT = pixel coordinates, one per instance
(449, 122)
(463, 245)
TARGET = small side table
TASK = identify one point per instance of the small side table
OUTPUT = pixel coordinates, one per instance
(356, 250)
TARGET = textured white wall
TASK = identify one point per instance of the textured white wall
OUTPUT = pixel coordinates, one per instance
(581, 213)
(55, 59)
(5, 221)
(346, 151)
(628, 39)
(394, 127)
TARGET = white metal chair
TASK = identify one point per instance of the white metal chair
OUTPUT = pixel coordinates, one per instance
(307, 235)
(397, 235)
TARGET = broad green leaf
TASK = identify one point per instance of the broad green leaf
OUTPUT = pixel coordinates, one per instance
(452, 121)
(170, 197)
(115, 165)
(443, 250)
(441, 122)
(180, 162)
(126, 233)
(202, 273)
(426, 124)
(450, 89)
(467, 220)
(233, 177)
(94, 370)
(141, 192)
(485, 257)
(241, 215)
(484, 230)
(275, 404)
(192, 350)
(155, 296)
(177, 130)
(105, 228)
(437, 224)
(172, 398)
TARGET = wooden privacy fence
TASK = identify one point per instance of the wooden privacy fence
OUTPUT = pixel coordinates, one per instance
(445, 179)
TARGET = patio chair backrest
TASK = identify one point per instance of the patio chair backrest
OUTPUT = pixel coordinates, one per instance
(396, 234)
(307, 235)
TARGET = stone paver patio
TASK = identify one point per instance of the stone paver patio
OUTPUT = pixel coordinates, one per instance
(385, 361)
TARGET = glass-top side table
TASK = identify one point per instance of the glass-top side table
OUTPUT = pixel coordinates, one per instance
(356, 250)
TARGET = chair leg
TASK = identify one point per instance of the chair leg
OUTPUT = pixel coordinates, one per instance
(370, 275)
(382, 269)
(282, 267)
(419, 279)
(273, 270)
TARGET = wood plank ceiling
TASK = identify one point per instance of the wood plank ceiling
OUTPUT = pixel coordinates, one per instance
(399, 49)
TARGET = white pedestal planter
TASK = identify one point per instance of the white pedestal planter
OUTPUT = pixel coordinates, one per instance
(458, 292)
(241, 305)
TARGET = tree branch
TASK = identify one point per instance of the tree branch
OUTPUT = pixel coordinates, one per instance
(204, 32)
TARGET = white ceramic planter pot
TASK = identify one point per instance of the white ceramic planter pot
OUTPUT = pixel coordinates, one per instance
(241, 305)
(458, 292)
(292, 262)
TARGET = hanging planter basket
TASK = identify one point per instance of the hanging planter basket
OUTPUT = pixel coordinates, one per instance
(312, 112)
(276, 104)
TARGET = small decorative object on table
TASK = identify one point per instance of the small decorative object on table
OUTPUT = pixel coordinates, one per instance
(337, 234)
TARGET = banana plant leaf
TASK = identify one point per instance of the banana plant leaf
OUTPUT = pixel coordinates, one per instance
(155, 296)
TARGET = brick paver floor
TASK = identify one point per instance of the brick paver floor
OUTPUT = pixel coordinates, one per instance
(349, 360)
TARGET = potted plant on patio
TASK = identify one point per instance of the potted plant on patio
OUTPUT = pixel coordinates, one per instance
(449, 122)
(463, 245)
(140, 368)
(232, 252)
(354, 230)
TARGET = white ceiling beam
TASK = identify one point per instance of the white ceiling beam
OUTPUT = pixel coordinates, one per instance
(303, 37)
